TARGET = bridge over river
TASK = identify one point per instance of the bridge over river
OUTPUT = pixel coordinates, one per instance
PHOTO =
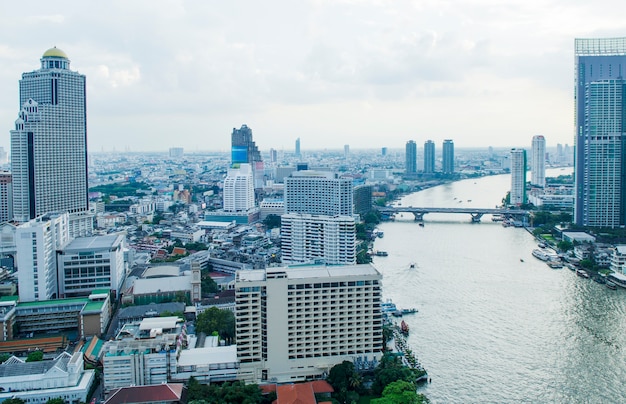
(475, 213)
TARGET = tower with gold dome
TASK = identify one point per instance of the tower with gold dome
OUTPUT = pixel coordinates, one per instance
(49, 142)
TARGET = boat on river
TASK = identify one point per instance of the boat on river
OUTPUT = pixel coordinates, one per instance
(618, 279)
(404, 328)
(537, 253)
(582, 273)
(381, 253)
(610, 285)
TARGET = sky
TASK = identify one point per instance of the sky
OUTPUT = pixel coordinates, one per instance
(370, 74)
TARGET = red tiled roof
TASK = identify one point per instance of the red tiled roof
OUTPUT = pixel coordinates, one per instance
(301, 393)
(146, 394)
(322, 386)
(267, 388)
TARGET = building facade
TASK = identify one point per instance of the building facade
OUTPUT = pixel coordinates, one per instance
(49, 142)
(294, 324)
(239, 189)
(89, 263)
(411, 157)
(448, 156)
(538, 169)
(600, 105)
(6, 197)
(429, 157)
(36, 243)
(518, 177)
(318, 193)
(310, 238)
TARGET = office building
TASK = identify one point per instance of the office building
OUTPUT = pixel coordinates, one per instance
(363, 201)
(411, 157)
(239, 189)
(89, 263)
(325, 239)
(600, 105)
(346, 150)
(36, 244)
(318, 193)
(6, 197)
(518, 177)
(49, 142)
(294, 324)
(448, 156)
(429, 157)
(383, 151)
(538, 169)
(298, 154)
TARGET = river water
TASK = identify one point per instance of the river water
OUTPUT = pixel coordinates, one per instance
(492, 328)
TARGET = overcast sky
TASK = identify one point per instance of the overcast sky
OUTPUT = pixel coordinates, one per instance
(375, 73)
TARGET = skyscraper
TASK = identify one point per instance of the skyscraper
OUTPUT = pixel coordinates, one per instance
(429, 157)
(49, 142)
(448, 156)
(318, 193)
(599, 166)
(538, 169)
(411, 157)
(245, 150)
(518, 177)
(239, 189)
(298, 147)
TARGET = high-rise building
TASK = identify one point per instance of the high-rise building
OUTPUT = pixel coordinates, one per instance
(245, 150)
(298, 154)
(325, 239)
(318, 193)
(239, 189)
(411, 157)
(538, 169)
(295, 324)
(49, 142)
(383, 151)
(518, 177)
(6, 197)
(273, 156)
(36, 244)
(448, 156)
(599, 167)
(429, 157)
(346, 150)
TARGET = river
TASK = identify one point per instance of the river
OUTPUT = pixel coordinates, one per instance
(495, 324)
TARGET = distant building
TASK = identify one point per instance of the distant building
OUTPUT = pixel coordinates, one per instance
(600, 106)
(239, 189)
(363, 201)
(245, 151)
(176, 152)
(318, 193)
(320, 316)
(538, 169)
(429, 157)
(297, 151)
(6, 197)
(518, 177)
(448, 156)
(310, 238)
(383, 151)
(346, 150)
(411, 157)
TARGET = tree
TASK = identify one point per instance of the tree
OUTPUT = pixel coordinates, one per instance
(35, 356)
(345, 379)
(389, 370)
(57, 400)
(214, 319)
(272, 221)
(400, 392)
(14, 401)
(4, 357)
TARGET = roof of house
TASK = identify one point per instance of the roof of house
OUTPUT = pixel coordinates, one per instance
(146, 394)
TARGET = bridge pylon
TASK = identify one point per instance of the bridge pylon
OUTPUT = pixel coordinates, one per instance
(419, 216)
(476, 217)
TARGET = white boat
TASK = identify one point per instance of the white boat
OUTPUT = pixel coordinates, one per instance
(540, 255)
(618, 279)
(582, 273)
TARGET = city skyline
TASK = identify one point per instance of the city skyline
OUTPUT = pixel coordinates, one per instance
(366, 74)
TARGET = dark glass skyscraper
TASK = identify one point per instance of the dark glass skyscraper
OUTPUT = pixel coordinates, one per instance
(244, 150)
(411, 157)
(429, 157)
(448, 156)
(600, 163)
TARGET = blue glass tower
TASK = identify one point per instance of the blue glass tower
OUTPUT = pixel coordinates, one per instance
(600, 163)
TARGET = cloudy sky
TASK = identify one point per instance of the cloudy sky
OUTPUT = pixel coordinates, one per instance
(368, 73)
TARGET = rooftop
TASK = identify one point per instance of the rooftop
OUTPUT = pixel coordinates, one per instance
(84, 244)
(55, 52)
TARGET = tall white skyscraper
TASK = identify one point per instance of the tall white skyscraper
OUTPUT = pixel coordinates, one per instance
(538, 169)
(239, 189)
(518, 177)
(49, 142)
